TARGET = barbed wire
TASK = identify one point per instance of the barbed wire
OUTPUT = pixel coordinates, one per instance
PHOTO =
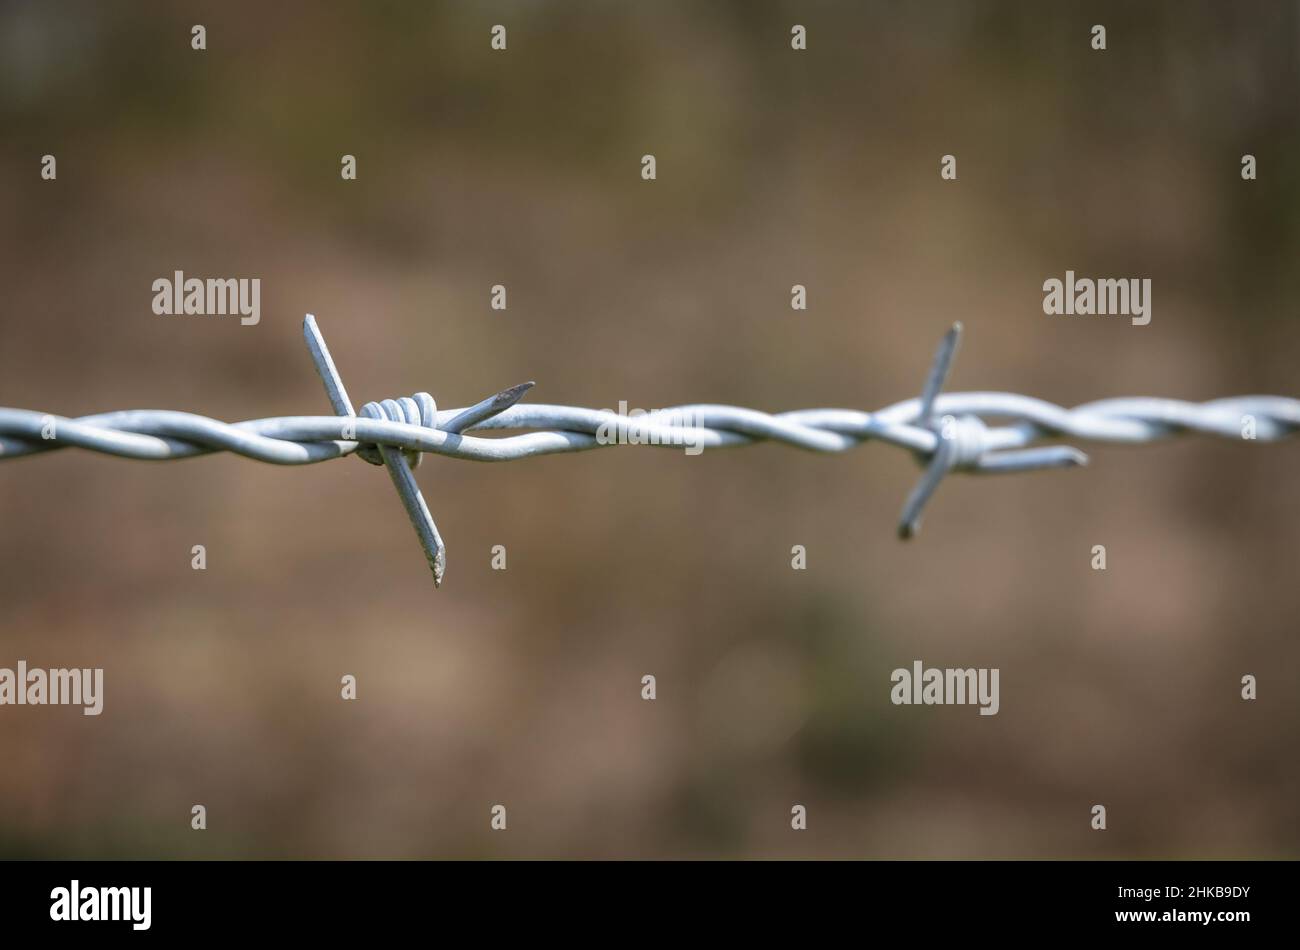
(945, 431)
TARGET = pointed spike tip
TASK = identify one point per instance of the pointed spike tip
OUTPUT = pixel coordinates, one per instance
(508, 397)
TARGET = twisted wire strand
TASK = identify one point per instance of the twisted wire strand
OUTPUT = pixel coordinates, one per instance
(945, 431)
(159, 434)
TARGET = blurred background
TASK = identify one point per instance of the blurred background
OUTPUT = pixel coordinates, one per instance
(523, 687)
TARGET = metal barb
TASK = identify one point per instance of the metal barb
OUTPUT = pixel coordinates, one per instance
(399, 469)
(943, 457)
(963, 443)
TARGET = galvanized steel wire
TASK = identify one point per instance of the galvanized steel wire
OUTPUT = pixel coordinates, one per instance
(946, 431)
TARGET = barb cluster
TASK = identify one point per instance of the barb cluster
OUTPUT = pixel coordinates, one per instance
(946, 431)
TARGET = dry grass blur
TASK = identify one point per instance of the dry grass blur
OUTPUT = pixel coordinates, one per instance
(774, 168)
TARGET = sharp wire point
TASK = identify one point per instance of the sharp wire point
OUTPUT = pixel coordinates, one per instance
(329, 374)
(493, 405)
(939, 370)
